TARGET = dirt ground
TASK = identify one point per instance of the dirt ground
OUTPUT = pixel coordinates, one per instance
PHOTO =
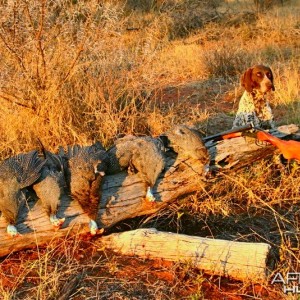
(103, 275)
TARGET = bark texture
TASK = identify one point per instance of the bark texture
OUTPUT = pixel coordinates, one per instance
(239, 260)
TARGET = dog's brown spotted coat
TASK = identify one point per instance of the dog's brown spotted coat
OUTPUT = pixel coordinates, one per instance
(253, 106)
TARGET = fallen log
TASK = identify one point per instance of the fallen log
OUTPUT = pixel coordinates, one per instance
(238, 260)
(123, 195)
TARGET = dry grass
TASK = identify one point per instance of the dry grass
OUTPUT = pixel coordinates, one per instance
(77, 71)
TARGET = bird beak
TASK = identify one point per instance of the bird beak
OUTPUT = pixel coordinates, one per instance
(206, 170)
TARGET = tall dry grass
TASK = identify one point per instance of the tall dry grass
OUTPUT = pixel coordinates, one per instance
(77, 71)
(74, 72)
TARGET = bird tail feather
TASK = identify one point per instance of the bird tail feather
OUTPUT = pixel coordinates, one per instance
(28, 167)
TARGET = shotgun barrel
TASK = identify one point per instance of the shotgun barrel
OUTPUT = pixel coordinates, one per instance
(228, 133)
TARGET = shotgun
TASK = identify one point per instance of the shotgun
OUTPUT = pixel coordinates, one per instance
(228, 134)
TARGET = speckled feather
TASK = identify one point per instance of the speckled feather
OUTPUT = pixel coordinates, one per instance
(85, 163)
(51, 185)
(143, 153)
(187, 142)
(16, 173)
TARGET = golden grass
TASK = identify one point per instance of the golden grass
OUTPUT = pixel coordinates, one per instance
(74, 72)
(78, 71)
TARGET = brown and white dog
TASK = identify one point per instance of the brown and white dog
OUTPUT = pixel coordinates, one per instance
(253, 106)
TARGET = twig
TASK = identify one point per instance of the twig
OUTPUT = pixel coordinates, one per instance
(13, 51)
(39, 43)
(70, 286)
(80, 50)
(12, 99)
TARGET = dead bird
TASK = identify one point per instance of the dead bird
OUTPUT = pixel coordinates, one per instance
(186, 142)
(141, 153)
(86, 168)
(51, 186)
(17, 173)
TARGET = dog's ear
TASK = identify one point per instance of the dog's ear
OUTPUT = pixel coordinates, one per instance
(272, 80)
(246, 80)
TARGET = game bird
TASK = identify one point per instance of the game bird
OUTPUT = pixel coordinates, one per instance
(86, 168)
(289, 149)
(17, 173)
(142, 154)
(186, 142)
(51, 186)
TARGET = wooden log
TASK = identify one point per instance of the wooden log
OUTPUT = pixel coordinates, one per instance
(35, 227)
(123, 196)
(238, 260)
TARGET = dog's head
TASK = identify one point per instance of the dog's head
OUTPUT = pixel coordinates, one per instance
(259, 78)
